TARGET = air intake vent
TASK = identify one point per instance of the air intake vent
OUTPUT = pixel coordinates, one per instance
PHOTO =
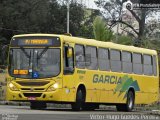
(29, 89)
(29, 83)
(32, 94)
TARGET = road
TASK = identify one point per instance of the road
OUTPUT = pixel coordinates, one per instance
(8, 112)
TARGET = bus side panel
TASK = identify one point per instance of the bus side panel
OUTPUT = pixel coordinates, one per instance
(85, 77)
(148, 89)
(69, 87)
(101, 87)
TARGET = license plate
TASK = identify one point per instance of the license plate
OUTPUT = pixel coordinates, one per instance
(31, 98)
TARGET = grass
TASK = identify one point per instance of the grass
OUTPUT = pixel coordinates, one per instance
(2, 77)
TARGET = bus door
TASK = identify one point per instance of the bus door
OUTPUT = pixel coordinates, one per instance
(68, 71)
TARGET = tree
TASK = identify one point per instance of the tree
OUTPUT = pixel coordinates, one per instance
(122, 39)
(22, 17)
(101, 31)
(39, 16)
(113, 12)
(87, 26)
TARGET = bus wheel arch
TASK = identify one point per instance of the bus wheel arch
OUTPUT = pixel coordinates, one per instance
(83, 88)
(130, 98)
(129, 105)
(80, 98)
(133, 91)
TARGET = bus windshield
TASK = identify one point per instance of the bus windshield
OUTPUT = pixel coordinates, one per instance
(34, 63)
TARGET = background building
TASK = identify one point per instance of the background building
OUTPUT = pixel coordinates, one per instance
(121, 28)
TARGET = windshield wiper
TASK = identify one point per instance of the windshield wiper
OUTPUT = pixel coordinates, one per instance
(41, 54)
(28, 56)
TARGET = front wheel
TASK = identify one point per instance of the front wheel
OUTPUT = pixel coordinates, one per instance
(80, 99)
(129, 104)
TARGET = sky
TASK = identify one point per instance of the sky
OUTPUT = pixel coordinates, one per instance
(89, 3)
(92, 5)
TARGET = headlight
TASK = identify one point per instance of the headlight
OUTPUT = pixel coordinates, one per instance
(12, 87)
(53, 87)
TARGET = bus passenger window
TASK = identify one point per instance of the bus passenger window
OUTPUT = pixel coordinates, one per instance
(126, 62)
(147, 60)
(103, 59)
(91, 58)
(115, 60)
(80, 59)
(154, 65)
(137, 63)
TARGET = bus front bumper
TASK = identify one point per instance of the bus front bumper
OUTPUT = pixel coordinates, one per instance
(34, 96)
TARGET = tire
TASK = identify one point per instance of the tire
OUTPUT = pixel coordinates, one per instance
(80, 99)
(128, 107)
(38, 105)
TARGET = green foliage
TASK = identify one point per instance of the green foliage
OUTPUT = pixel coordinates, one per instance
(101, 31)
(122, 39)
(41, 16)
(86, 31)
(87, 27)
(151, 44)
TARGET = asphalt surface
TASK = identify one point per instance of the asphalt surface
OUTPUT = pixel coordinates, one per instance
(8, 112)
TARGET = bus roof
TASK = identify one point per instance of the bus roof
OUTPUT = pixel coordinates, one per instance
(93, 42)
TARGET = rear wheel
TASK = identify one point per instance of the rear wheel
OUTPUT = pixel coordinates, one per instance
(129, 104)
(80, 99)
(38, 105)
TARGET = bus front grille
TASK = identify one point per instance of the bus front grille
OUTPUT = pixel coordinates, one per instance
(29, 83)
(29, 89)
(32, 94)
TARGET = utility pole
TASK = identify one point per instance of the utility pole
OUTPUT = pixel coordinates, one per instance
(67, 16)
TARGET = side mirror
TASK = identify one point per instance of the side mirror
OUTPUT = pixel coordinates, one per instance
(69, 52)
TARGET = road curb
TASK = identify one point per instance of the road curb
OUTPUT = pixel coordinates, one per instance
(155, 112)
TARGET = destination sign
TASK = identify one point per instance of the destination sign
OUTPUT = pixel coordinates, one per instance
(36, 41)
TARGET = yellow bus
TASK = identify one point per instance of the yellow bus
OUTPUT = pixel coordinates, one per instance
(50, 68)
